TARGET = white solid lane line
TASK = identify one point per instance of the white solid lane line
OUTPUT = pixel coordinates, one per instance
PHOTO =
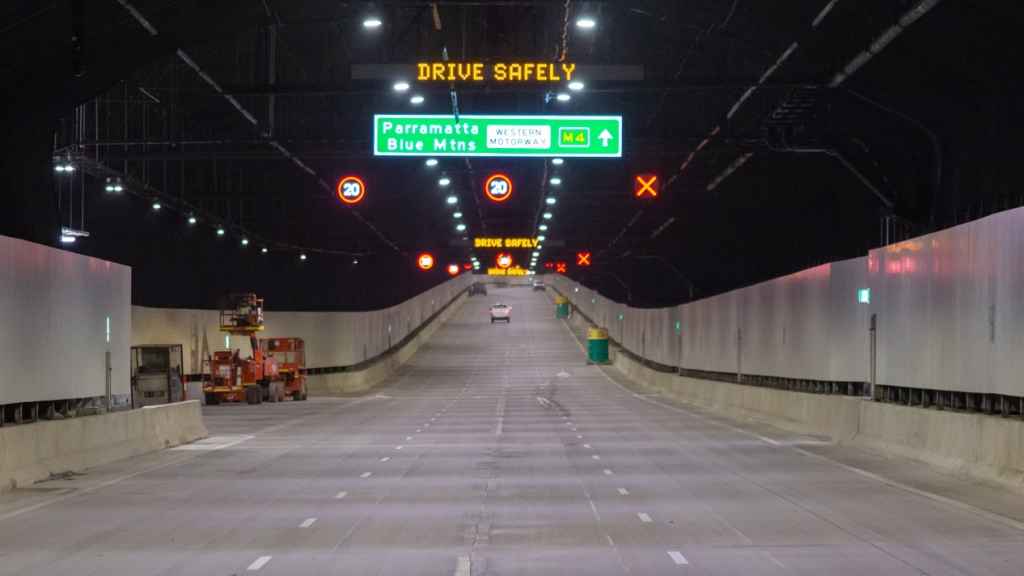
(644, 517)
(623, 492)
(307, 522)
(340, 495)
(678, 557)
(366, 474)
(463, 567)
(259, 563)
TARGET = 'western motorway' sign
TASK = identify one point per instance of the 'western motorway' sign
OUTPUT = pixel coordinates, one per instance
(529, 136)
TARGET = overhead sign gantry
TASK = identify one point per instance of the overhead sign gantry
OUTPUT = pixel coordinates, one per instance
(505, 136)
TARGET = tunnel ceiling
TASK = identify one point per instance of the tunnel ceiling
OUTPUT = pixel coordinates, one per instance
(246, 114)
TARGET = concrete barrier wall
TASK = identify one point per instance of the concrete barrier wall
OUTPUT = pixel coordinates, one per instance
(332, 338)
(33, 452)
(359, 381)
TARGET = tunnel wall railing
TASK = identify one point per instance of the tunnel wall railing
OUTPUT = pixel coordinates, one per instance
(946, 308)
(335, 341)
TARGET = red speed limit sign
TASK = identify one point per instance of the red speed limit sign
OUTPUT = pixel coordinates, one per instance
(351, 190)
(498, 187)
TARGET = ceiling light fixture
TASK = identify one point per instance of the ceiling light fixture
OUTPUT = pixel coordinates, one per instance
(431, 162)
(372, 22)
(452, 199)
(444, 181)
(402, 86)
(557, 161)
(586, 22)
(556, 181)
(417, 100)
(576, 85)
(550, 201)
(563, 97)
(548, 216)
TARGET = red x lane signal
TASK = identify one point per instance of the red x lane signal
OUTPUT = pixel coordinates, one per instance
(560, 267)
(583, 259)
(646, 186)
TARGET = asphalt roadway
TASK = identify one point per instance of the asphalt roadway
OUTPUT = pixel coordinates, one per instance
(497, 451)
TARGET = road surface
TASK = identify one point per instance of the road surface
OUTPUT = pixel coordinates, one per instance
(495, 451)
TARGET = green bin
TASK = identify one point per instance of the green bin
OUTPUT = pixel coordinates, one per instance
(597, 345)
(561, 307)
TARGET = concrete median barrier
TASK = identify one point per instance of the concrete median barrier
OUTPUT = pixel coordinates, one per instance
(33, 452)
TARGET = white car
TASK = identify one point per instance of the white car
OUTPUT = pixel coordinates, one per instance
(501, 312)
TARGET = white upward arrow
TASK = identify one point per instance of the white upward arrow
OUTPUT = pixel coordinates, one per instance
(604, 137)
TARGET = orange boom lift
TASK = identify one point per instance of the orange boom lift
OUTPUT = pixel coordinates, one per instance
(273, 370)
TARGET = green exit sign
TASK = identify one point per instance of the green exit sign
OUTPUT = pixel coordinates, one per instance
(510, 136)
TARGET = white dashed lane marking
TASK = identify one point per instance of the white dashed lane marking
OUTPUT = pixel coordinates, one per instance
(596, 457)
(307, 522)
(607, 472)
(644, 517)
(340, 495)
(385, 459)
(677, 557)
(259, 563)
(623, 492)
(366, 474)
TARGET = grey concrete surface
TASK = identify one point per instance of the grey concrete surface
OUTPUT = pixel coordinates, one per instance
(494, 451)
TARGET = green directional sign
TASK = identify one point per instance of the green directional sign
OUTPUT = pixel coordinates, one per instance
(529, 136)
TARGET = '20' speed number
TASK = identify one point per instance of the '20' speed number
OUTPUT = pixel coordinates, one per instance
(498, 187)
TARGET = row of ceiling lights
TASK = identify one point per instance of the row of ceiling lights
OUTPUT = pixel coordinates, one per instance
(547, 216)
(115, 185)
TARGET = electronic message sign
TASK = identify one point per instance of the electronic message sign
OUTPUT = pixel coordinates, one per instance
(504, 136)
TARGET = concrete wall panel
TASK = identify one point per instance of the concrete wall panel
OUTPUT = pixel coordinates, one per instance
(332, 338)
(56, 307)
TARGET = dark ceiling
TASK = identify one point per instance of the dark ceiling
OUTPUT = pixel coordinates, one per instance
(245, 114)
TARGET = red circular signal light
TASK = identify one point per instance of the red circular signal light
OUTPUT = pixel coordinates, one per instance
(351, 189)
(453, 269)
(498, 187)
(503, 260)
(425, 261)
